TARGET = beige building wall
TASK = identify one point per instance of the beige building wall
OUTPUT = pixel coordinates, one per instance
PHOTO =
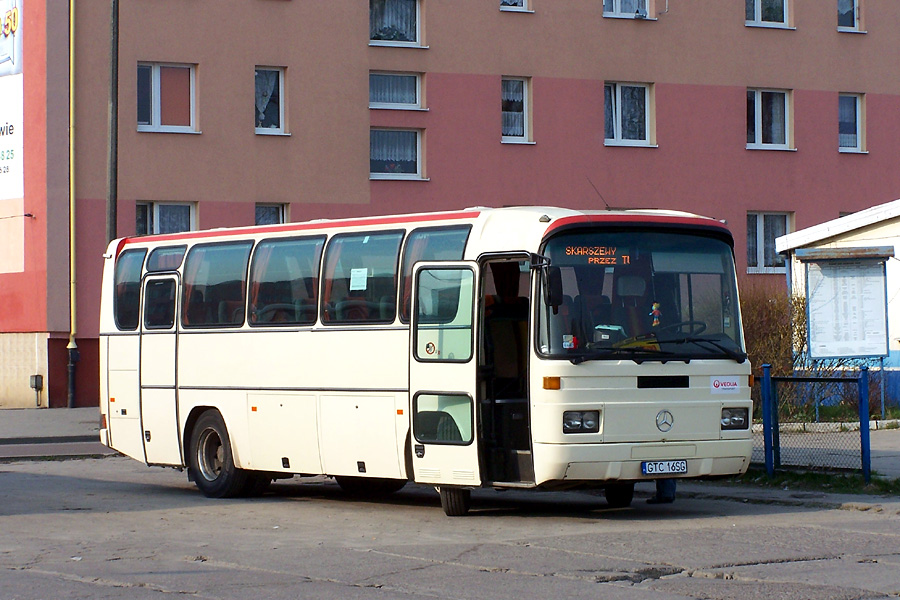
(24, 355)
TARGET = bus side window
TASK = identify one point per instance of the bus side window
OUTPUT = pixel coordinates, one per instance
(360, 278)
(126, 302)
(215, 284)
(426, 244)
(284, 282)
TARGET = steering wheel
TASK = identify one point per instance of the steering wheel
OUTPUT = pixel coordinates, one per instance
(694, 327)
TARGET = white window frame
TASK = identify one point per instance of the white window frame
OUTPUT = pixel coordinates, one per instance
(617, 139)
(524, 6)
(525, 138)
(280, 130)
(757, 144)
(154, 125)
(154, 208)
(857, 21)
(761, 267)
(617, 13)
(418, 175)
(757, 17)
(417, 105)
(860, 147)
(417, 43)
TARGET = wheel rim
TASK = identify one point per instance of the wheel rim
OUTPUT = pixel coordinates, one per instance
(210, 454)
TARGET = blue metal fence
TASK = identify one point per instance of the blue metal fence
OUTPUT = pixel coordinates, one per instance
(809, 447)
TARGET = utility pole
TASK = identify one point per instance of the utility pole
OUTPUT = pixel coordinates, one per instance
(112, 155)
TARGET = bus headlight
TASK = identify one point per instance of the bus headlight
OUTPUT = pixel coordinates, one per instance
(735, 418)
(578, 421)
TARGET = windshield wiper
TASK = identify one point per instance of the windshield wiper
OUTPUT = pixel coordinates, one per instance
(738, 357)
(603, 352)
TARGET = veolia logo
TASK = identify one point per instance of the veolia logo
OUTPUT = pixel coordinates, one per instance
(724, 385)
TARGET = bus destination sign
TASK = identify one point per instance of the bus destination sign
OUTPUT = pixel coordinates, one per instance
(600, 255)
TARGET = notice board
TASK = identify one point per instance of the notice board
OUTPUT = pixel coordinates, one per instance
(846, 303)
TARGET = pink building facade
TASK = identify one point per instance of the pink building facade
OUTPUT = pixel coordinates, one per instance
(771, 115)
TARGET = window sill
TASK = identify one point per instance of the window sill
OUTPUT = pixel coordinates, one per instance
(766, 270)
(517, 141)
(398, 107)
(275, 133)
(168, 130)
(623, 144)
(852, 151)
(851, 30)
(769, 25)
(382, 44)
(389, 177)
(516, 9)
(770, 147)
(630, 17)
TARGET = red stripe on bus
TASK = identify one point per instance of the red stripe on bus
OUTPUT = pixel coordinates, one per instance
(337, 223)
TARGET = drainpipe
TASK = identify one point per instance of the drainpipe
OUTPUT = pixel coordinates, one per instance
(72, 347)
(112, 156)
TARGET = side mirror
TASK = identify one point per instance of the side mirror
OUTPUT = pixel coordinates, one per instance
(553, 288)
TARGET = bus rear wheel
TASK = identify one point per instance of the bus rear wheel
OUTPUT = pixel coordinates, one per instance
(619, 495)
(455, 501)
(211, 461)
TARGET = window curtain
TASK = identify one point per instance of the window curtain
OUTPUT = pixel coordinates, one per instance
(752, 239)
(173, 218)
(773, 11)
(392, 89)
(773, 118)
(846, 13)
(513, 105)
(609, 98)
(624, 6)
(773, 226)
(392, 20)
(847, 122)
(393, 151)
(266, 81)
(634, 112)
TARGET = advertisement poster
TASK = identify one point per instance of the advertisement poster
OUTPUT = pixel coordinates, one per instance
(12, 172)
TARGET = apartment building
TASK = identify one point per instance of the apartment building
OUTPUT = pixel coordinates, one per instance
(771, 115)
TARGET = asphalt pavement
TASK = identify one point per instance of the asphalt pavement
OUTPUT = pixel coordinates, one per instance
(34, 434)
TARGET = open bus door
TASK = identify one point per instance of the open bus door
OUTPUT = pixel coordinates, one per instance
(443, 380)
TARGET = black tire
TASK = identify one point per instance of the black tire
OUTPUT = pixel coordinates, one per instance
(256, 485)
(369, 486)
(211, 462)
(619, 495)
(455, 501)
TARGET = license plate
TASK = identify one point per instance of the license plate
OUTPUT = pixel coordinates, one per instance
(663, 467)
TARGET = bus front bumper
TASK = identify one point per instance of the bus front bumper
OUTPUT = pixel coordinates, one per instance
(623, 462)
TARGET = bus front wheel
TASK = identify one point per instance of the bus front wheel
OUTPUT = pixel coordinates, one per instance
(211, 461)
(619, 495)
(455, 501)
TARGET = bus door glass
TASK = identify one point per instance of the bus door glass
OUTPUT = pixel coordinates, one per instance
(443, 374)
(159, 422)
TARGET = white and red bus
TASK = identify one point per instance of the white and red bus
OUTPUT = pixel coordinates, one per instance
(527, 347)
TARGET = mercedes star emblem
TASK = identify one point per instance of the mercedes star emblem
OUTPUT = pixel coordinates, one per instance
(664, 420)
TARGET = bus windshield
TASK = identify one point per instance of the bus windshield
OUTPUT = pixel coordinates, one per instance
(639, 295)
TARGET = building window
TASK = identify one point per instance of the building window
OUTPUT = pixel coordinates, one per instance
(762, 229)
(270, 214)
(850, 119)
(513, 5)
(165, 97)
(395, 154)
(634, 9)
(268, 109)
(768, 119)
(394, 21)
(627, 114)
(514, 107)
(164, 217)
(394, 90)
(767, 12)
(848, 14)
